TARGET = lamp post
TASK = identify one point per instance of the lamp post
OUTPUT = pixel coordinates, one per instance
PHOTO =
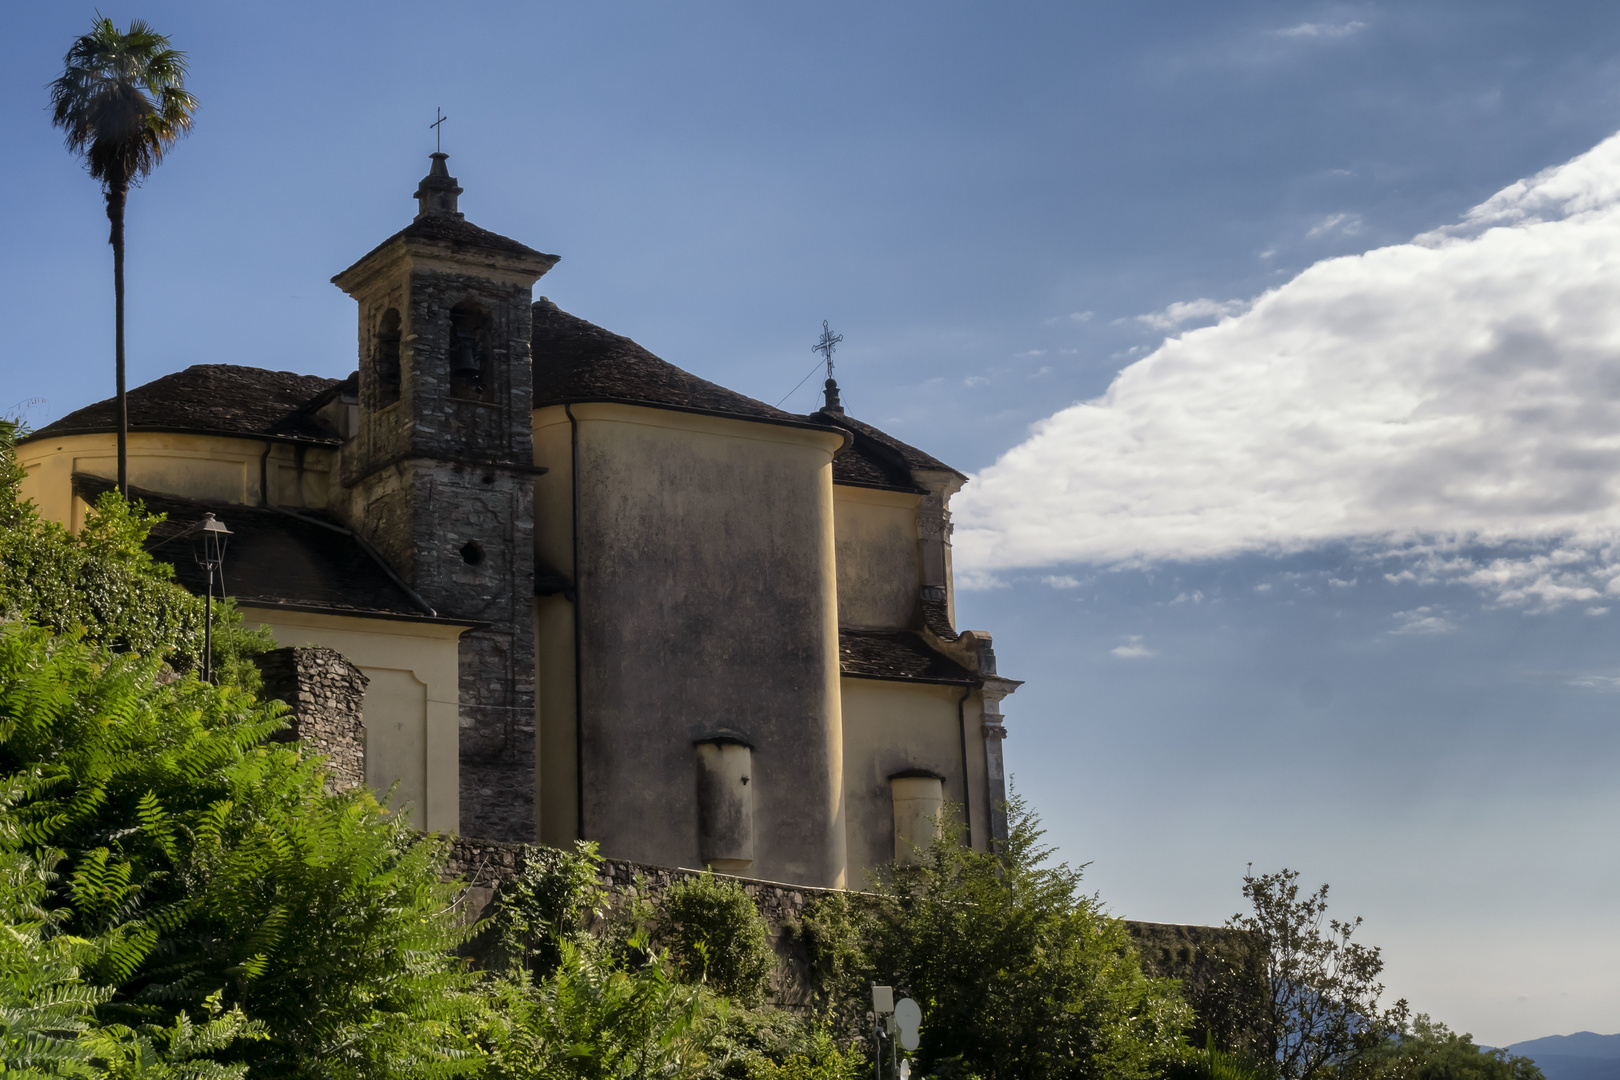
(209, 538)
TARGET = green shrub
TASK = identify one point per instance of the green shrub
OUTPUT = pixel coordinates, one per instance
(206, 865)
(773, 1044)
(715, 935)
(553, 899)
(595, 1018)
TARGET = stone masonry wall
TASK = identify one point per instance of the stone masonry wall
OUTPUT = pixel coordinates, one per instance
(443, 486)
(325, 693)
(1192, 954)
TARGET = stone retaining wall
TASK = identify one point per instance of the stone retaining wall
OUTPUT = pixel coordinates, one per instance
(1193, 954)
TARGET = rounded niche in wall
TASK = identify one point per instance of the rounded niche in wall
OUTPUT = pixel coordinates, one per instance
(472, 553)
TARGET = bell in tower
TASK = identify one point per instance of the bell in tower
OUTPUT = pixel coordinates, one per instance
(439, 476)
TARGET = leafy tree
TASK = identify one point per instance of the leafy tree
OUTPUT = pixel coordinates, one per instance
(209, 865)
(122, 103)
(716, 936)
(1019, 975)
(46, 1010)
(1316, 1003)
(1428, 1050)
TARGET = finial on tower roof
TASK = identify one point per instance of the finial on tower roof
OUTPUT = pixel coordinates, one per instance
(829, 341)
(437, 192)
(833, 404)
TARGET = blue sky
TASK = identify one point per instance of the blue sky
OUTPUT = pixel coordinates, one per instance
(1321, 580)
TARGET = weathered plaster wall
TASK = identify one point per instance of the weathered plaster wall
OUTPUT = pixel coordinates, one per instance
(892, 727)
(208, 468)
(555, 770)
(326, 694)
(707, 592)
(409, 705)
(879, 568)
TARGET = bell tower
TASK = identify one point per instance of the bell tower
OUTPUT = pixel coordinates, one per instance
(439, 477)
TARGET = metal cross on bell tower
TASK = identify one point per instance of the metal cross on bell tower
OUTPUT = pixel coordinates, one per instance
(438, 131)
(829, 341)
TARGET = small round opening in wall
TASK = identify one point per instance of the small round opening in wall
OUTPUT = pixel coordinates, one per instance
(471, 553)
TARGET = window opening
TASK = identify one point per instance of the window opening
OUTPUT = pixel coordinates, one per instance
(469, 352)
(385, 363)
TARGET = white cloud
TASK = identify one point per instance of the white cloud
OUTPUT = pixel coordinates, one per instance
(1347, 224)
(975, 380)
(1454, 400)
(1423, 620)
(1609, 684)
(1185, 311)
(1082, 316)
(1321, 30)
(1133, 649)
(1062, 581)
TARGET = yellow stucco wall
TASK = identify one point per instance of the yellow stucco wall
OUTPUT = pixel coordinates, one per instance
(708, 594)
(892, 727)
(411, 706)
(879, 573)
(204, 467)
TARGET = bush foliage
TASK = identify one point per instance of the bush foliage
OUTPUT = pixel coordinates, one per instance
(716, 936)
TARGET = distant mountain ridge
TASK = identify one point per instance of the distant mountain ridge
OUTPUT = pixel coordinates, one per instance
(1584, 1055)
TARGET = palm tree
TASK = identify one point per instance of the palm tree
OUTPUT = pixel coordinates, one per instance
(122, 101)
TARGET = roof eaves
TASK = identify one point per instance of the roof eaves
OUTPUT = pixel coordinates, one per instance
(751, 418)
(171, 429)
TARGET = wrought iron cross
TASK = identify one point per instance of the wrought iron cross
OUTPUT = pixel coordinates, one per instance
(437, 131)
(825, 346)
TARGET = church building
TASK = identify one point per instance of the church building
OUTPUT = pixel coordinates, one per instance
(595, 596)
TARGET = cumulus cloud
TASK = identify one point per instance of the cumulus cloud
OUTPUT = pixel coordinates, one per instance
(1454, 400)
(1186, 311)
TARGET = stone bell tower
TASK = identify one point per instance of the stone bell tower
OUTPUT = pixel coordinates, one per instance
(439, 477)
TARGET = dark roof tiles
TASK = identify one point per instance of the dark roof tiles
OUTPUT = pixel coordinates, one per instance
(458, 233)
(577, 361)
(222, 399)
(896, 655)
(275, 559)
(882, 441)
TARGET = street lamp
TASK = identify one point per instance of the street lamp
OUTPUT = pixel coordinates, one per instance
(209, 538)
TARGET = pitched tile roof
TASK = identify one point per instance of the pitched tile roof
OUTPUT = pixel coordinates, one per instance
(897, 655)
(887, 453)
(458, 233)
(221, 399)
(576, 361)
(304, 561)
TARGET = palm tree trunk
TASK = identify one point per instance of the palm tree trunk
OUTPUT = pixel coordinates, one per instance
(117, 194)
